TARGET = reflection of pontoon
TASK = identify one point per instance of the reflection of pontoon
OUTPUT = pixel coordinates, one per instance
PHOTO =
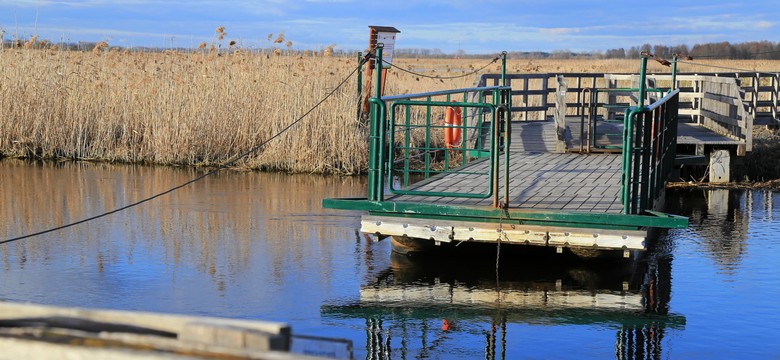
(413, 295)
(573, 287)
(461, 295)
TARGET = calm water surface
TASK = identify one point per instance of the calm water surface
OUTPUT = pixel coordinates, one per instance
(259, 246)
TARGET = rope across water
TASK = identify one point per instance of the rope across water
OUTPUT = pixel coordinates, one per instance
(201, 177)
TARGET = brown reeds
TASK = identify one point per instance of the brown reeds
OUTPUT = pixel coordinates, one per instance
(174, 108)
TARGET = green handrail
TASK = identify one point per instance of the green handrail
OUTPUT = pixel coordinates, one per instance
(591, 106)
(493, 102)
(406, 147)
(649, 149)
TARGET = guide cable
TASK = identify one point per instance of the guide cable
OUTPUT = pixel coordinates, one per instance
(735, 56)
(725, 67)
(442, 77)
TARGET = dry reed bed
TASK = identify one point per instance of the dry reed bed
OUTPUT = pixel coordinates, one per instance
(204, 108)
(175, 108)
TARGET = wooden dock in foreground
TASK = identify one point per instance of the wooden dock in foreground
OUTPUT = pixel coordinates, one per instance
(29, 331)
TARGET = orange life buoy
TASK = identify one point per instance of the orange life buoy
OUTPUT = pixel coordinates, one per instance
(452, 130)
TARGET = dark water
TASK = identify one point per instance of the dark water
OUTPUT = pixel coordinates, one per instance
(259, 246)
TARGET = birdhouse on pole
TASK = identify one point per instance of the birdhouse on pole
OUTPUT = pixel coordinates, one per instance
(384, 35)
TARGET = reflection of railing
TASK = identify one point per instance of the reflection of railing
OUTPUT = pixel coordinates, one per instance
(649, 142)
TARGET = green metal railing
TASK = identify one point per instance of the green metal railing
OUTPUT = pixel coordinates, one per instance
(406, 139)
(417, 155)
(591, 107)
(402, 143)
(649, 149)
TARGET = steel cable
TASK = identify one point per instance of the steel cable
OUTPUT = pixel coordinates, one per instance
(735, 58)
(442, 77)
(725, 67)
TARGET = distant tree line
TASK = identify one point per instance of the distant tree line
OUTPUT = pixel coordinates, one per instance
(765, 50)
(721, 50)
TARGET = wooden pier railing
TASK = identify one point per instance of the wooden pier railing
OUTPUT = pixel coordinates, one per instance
(726, 103)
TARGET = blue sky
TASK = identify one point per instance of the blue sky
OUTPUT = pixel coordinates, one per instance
(474, 26)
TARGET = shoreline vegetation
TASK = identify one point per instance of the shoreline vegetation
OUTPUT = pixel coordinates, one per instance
(204, 107)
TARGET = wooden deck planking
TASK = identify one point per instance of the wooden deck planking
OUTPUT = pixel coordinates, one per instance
(540, 181)
(543, 180)
(687, 133)
(694, 134)
(533, 136)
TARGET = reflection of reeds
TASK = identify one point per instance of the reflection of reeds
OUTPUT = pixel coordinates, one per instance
(258, 217)
(205, 107)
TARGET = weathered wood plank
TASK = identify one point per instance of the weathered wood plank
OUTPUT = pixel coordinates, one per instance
(545, 181)
(111, 334)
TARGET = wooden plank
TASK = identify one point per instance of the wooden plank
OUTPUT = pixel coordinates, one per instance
(721, 98)
(161, 322)
(105, 334)
(724, 119)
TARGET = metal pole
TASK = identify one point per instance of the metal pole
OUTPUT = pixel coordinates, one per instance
(359, 82)
(375, 188)
(642, 76)
(380, 181)
(503, 68)
(674, 72)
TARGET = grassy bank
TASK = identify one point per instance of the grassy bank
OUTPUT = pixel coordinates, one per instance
(203, 108)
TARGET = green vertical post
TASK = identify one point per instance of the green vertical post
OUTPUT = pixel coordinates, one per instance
(379, 181)
(375, 188)
(464, 131)
(407, 143)
(625, 168)
(642, 79)
(428, 139)
(359, 83)
(503, 68)
(674, 72)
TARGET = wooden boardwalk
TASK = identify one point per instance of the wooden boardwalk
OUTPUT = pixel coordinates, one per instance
(534, 190)
(543, 180)
(533, 136)
(610, 134)
(539, 181)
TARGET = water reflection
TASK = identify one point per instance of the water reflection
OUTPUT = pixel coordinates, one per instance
(259, 246)
(720, 220)
(225, 227)
(416, 307)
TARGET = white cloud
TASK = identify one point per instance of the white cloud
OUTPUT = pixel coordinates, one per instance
(559, 31)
